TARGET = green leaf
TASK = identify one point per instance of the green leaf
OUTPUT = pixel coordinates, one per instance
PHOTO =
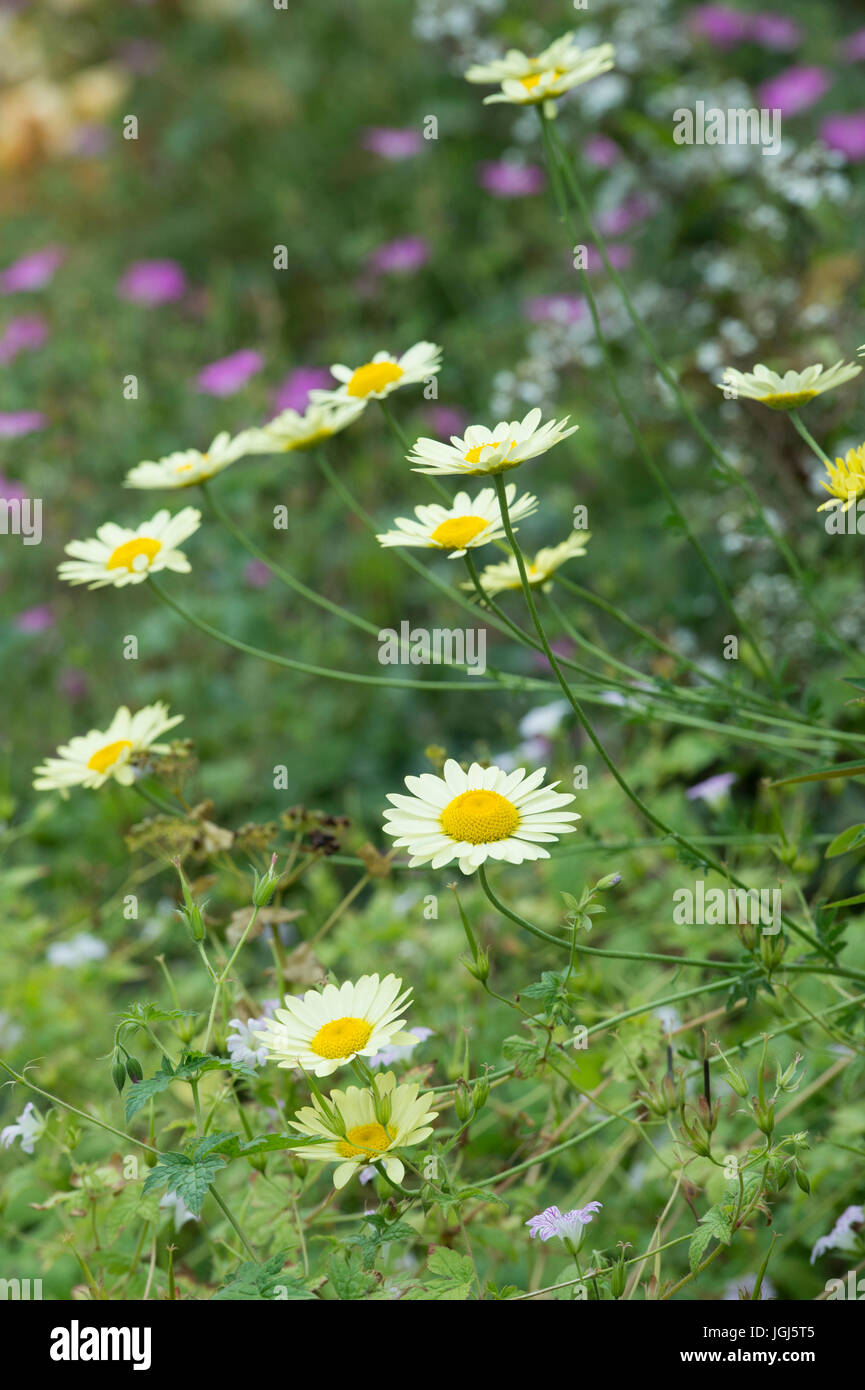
(453, 1278)
(190, 1176)
(347, 1275)
(851, 838)
(254, 1281)
(143, 1091)
(696, 1250)
(825, 774)
(718, 1223)
(382, 1232)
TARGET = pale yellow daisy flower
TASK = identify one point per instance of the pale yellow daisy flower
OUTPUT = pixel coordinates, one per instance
(321, 1031)
(290, 430)
(787, 392)
(186, 467)
(383, 374)
(495, 579)
(464, 525)
(527, 81)
(846, 480)
(365, 1127)
(90, 759)
(119, 556)
(482, 451)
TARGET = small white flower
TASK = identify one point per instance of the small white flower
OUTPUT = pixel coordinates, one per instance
(481, 450)
(245, 1044)
(461, 527)
(173, 1202)
(78, 951)
(29, 1127)
(186, 467)
(119, 556)
(383, 374)
(526, 81)
(485, 813)
(842, 1235)
(552, 1222)
(401, 1051)
(90, 759)
(790, 391)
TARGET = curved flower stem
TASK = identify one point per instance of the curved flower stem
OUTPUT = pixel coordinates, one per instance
(288, 579)
(788, 555)
(554, 166)
(226, 1213)
(808, 437)
(681, 840)
(352, 677)
(82, 1114)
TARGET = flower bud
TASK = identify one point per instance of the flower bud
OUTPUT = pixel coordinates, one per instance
(772, 950)
(803, 1181)
(265, 885)
(764, 1115)
(463, 1102)
(480, 1094)
(118, 1073)
(618, 1277)
(480, 966)
(133, 1069)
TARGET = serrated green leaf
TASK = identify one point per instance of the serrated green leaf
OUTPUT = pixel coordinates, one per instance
(697, 1248)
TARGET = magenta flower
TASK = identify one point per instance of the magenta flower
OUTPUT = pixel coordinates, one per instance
(845, 133)
(400, 257)
(11, 491)
(558, 308)
(256, 574)
(35, 619)
(775, 31)
(391, 142)
(719, 24)
(552, 1222)
(153, 282)
(853, 47)
(73, 683)
(617, 221)
(601, 151)
(504, 178)
(794, 89)
(447, 420)
(33, 271)
(618, 255)
(15, 422)
(293, 394)
(842, 1235)
(22, 334)
(230, 373)
(713, 789)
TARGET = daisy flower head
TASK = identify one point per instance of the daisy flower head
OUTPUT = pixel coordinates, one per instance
(526, 81)
(291, 430)
(90, 759)
(186, 467)
(485, 813)
(787, 392)
(846, 480)
(495, 579)
(461, 527)
(569, 1224)
(481, 450)
(374, 380)
(119, 556)
(321, 1030)
(355, 1127)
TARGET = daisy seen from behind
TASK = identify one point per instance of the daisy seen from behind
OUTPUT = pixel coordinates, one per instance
(485, 813)
(186, 467)
(496, 579)
(120, 556)
(526, 81)
(380, 376)
(481, 450)
(321, 1030)
(355, 1127)
(90, 759)
(787, 392)
(290, 430)
(463, 526)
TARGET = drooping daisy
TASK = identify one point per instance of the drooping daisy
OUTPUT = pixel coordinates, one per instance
(359, 1136)
(790, 391)
(481, 814)
(527, 81)
(186, 467)
(461, 527)
(320, 1031)
(290, 430)
(90, 759)
(378, 378)
(846, 480)
(553, 1222)
(496, 578)
(118, 556)
(490, 451)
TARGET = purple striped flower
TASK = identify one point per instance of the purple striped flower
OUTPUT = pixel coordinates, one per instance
(552, 1222)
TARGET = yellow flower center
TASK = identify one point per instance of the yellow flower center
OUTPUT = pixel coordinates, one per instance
(457, 531)
(373, 376)
(106, 757)
(136, 554)
(479, 818)
(534, 78)
(342, 1037)
(364, 1141)
(788, 400)
(476, 454)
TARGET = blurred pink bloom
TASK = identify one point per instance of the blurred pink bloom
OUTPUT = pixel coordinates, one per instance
(73, 683)
(619, 256)
(794, 89)
(22, 334)
(400, 257)
(446, 420)
(34, 619)
(230, 373)
(10, 490)
(853, 47)
(720, 25)
(15, 422)
(153, 282)
(256, 574)
(775, 31)
(92, 141)
(601, 151)
(392, 142)
(33, 271)
(713, 789)
(560, 308)
(617, 221)
(845, 133)
(293, 394)
(506, 179)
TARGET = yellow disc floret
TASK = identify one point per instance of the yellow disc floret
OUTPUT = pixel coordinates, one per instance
(457, 531)
(788, 400)
(129, 555)
(106, 757)
(373, 376)
(342, 1037)
(364, 1141)
(479, 817)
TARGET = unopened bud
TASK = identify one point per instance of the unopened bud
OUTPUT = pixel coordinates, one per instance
(118, 1072)
(133, 1069)
(463, 1102)
(265, 885)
